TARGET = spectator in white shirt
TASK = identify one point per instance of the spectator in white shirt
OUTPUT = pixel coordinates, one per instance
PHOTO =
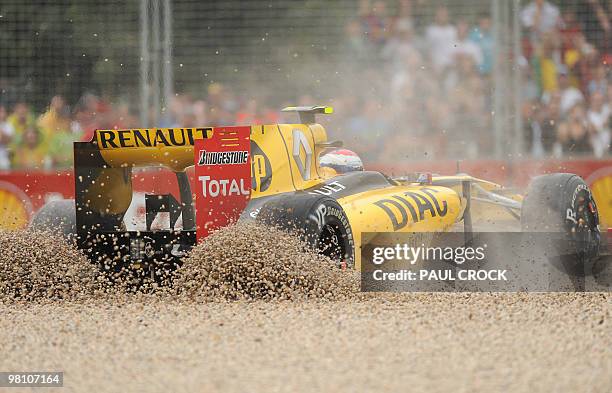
(570, 95)
(465, 46)
(540, 17)
(440, 37)
(598, 116)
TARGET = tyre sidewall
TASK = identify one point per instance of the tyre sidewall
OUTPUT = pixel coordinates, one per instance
(577, 188)
(329, 212)
(550, 205)
(307, 215)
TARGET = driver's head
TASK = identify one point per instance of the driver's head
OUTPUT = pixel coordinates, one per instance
(342, 161)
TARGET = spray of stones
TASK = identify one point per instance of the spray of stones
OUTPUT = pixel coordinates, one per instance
(37, 265)
(251, 261)
(246, 261)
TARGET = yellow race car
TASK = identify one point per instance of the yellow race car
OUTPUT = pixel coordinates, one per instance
(274, 173)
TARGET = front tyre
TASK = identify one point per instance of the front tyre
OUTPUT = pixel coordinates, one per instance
(563, 203)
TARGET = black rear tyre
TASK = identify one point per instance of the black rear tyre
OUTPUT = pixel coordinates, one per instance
(320, 221)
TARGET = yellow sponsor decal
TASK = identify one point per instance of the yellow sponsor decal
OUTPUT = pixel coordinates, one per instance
(149, 137)
(412, 206)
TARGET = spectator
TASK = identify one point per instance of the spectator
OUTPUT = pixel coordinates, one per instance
(532, 128)
(548, 63)
(598, 116)
(21, 119)
(439, 116)
(570, 28)
(588, 60)
(530, 89)
(440, 37)
(370, 128)
(571, 48)
(599, 83)
(31, 154)
(401, 47)
(55, 120)
(569, 95)
(464, 46)
(170, 116)
(58, 148)
(253, 113)
(466, 99)
(430, 75)
(356, 45)
(483, 38)
(187, 117)
(405, 13)
(574, 134)
(6, 136)
(407, 62)
(123, 118)
(375, 21)
(86, 116)
(548, 120)
(540, 17)
(248, 114)
(595, 18)
(222, 107)
(405, 80)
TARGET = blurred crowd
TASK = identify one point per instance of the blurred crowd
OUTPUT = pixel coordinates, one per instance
(429, 84)
(567, 92)
(45, 141)
(418, 87)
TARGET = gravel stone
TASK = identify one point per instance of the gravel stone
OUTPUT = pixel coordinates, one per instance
(39, 265)
(251, 310)
(250, 261)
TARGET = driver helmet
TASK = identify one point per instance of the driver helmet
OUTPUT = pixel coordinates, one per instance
(342, 161)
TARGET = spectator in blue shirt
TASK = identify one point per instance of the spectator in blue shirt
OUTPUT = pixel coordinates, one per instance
(483, 37)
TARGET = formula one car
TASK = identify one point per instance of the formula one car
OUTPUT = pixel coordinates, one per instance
(272, 173)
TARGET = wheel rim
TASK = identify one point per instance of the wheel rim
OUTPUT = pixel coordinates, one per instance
(585, 231)
(331, 244)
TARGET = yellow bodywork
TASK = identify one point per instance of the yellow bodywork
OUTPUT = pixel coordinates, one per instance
(285, 158)
(285, 149)
(365, 216)
(170, 147)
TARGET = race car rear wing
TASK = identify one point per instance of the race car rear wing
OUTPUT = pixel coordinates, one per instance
(103, 171)
(104, 165)
(103, 176)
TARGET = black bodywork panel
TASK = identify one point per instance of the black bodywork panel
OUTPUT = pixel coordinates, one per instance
(116, 250)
